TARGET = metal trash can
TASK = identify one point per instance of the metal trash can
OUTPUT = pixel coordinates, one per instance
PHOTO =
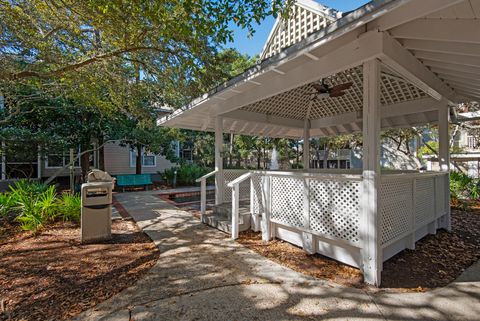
(96, 218)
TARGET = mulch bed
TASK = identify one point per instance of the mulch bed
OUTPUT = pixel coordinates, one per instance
(298, 260)
(52, 276)
(436, 261)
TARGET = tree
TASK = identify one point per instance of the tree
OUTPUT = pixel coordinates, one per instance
(81, 48)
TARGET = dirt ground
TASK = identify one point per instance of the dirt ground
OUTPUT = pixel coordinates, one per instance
(52, 276)
(436, 261)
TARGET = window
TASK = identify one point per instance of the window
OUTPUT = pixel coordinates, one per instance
(148, 159)
(60, 160)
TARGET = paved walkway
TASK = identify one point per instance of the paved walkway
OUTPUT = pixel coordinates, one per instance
(203, 275)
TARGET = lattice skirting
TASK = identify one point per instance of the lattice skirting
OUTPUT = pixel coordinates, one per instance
(411, 207)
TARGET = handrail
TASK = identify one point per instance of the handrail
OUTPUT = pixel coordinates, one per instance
(203, 191)
(204, 177)
(239, 179)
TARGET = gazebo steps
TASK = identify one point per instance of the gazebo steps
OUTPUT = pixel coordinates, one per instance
(221, 217)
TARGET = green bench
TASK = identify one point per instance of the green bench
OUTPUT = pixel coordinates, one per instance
(134, 180)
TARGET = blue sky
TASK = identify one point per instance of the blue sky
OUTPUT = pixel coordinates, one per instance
(255, 44)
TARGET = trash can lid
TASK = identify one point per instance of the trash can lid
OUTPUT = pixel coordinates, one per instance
(96, 175)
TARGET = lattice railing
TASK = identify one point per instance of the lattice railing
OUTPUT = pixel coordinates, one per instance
(324, 204)
(335, 208)
(229, 175)
(411, 201)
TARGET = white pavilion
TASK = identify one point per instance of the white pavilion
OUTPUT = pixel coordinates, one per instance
(401, 63)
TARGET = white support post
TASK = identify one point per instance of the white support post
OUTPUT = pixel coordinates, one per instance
(235, 210)
(370, 220)
(306, 144)
(203, 198)
(255, 216)
(444, 157)
(308, 243)
(219, 180)
(266, 224)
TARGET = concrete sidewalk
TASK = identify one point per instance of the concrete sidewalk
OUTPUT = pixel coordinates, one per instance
(203, 275)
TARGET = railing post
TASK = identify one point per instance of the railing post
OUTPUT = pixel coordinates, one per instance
(219, 177)
(235, 210)
(266, 224)
(308, 241)
(444, 157)
(255, 216)
(203, 198)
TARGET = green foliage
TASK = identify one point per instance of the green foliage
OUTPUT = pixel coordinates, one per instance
(69, 207)
(7, 204)
(35, 204)
(463, 187)
(186, 174)
(94, 52)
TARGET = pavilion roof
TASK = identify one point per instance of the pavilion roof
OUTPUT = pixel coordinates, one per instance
(429, 51)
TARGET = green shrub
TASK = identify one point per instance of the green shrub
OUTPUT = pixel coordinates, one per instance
(69, 207)
(7, 204)
(463, 188)
(186, 174)
(35, 204)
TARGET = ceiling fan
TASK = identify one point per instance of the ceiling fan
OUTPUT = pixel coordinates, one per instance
(325, 91)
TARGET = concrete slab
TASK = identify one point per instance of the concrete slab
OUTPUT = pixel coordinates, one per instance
(203, 275)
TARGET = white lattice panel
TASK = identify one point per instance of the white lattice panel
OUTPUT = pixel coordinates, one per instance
(424, 200)
(396, 208)
(292, 104)
(258, 199)
(231, 175)
(287, 200)
(334, 208)
(301, 23)
(440, 194)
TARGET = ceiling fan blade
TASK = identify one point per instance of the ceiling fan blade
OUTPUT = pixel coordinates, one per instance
(319, 87)
(340, 87)
(337, 94)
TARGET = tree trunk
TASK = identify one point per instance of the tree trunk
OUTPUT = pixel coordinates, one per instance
(230, 158)
(85, 164)
(101, 154)
(259, 158)
(138, 160)
(326, 150)
(298, 152)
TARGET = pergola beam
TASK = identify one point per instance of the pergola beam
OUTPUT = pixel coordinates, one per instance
(403, 62)
(450, 30)
(441, 72)
(452, 67)
(466, 49)
(409, 11)
(459, 80)
(396, 110)
(263, 119)
(451, 58)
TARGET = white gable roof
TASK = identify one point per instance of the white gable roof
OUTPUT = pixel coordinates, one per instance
(307, 16)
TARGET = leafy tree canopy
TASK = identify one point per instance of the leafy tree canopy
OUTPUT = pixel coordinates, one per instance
(93, 50)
